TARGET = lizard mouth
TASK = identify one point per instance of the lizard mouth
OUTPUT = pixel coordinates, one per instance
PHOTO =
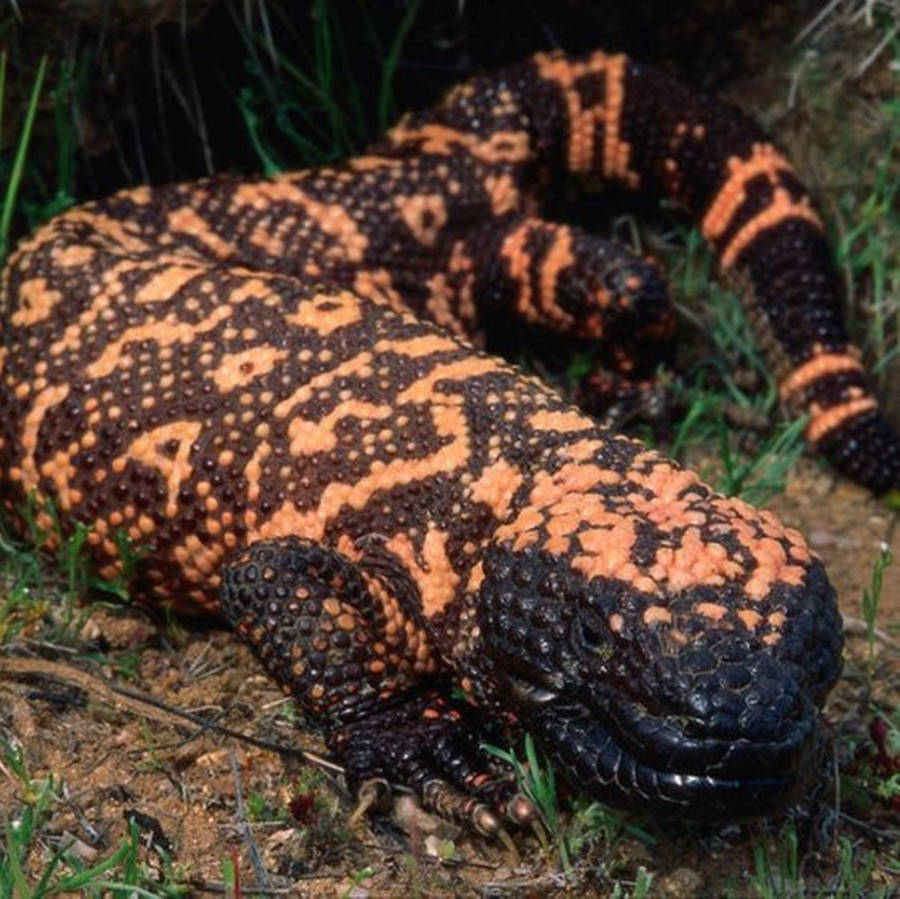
(613, 748)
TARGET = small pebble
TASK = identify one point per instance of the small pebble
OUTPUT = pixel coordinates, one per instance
(682, 883)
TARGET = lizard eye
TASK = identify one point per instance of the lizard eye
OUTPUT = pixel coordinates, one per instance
(528, 693)
(592, 634)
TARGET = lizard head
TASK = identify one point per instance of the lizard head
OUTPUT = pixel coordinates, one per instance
(669, 649)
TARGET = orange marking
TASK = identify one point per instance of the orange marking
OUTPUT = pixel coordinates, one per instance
(423, 390)
(573, 478)
(501, 146)
(764, 160)
(163, 332)
(165, 283)
(823, 421)
(772, 562)
(36, 302)
(513, 250)
(434, 576)
(693, 563)
(332, 218)
(368, 163)
(438, 304)
(502, 192)
(583, 121)
(559, 257)
(111, 279)
(711, 610)
(780, 209)
(309, 437)
(449, 421)
(149, 450)
(574, 497)
(376, 285)
(586, 450)
(461, 263)
(288, 520)
(60, 470)
(72, 255)
(186, 220)
(241, 369)
(43, 402)
(122, 235)
(476, 578)
(358, 365)
(563, 500)
(417, 347)
(495, 487)
(325, 313)
(198, 561)
(616, 152)
(657, 614)
(424, 215)
(608, 550)
(253, 469)
(819, 366)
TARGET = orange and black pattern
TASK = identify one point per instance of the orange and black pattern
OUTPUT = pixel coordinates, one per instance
(238, 374)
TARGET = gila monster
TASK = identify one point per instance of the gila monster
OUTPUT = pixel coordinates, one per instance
(270, 386)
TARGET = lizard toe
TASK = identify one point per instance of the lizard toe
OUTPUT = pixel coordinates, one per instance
(428, 746)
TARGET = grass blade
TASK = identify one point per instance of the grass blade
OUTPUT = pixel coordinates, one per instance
(18, 168)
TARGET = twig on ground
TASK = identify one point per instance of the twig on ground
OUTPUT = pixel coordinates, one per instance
(262, 877)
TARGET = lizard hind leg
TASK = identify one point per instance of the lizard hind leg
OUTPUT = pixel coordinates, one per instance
(571, 281)
(620, 300)
(334, 635)
(576, 283)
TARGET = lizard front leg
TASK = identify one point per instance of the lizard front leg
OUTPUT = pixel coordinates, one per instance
(339, 639)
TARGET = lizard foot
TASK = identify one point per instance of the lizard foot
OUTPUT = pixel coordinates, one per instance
(427, 744)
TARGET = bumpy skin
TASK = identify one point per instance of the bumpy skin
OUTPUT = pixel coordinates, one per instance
(228, 372)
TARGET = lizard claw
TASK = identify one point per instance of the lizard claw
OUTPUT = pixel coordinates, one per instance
(373, 793)
(426, 746)
(450, 803)
(521, 810)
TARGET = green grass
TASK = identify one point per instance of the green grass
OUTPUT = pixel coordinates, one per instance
(587, 823)
(763, 474)
(311, 101)
(28, 844)
(28, 198)
(872, 777)
(731, 384)
(53, 595)
(867, 241)
(781, 870)
(12, 173)
(776, 871)
(871, 599)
